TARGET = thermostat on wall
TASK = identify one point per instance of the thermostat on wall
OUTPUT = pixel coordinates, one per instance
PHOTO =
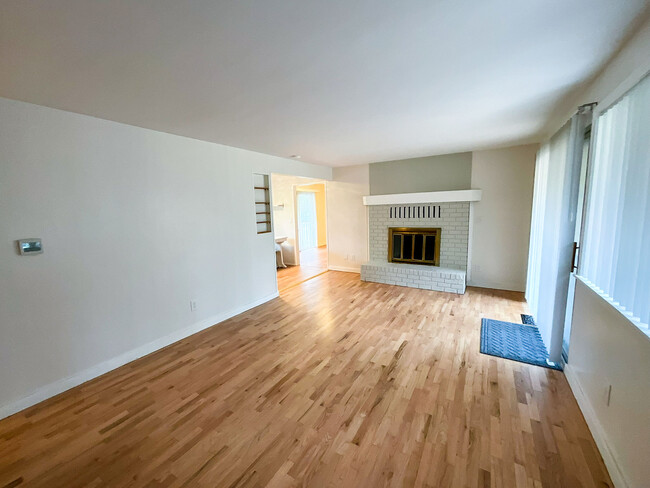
(30, 246)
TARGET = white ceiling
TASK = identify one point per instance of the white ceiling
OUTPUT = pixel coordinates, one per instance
(337, 81)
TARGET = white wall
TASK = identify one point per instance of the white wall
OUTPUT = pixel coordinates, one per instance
(134, 223)
(606, 349)
(347, 218)
(501, 220)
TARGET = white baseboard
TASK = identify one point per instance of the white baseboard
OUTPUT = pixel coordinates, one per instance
(52, 389)
(497, 285)
(345, 269)
(596, 429)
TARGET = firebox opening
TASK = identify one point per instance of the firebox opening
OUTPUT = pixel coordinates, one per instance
(415, 245)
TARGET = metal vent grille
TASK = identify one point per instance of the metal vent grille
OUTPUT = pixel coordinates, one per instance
(414, 212)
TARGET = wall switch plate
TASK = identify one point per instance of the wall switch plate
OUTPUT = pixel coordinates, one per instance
(194, 305)
(33, 245)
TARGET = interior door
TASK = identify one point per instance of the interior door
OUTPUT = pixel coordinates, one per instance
(307, 223)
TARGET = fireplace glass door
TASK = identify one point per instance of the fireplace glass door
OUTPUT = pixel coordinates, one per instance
(414, 245)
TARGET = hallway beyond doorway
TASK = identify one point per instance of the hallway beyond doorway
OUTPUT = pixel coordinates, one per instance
(313, 262)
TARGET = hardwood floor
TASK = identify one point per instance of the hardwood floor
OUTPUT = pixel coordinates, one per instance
(315, 257)
(337, 383)
(313, 262)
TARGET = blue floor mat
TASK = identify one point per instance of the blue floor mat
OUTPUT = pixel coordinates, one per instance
(527, 319)
(518, 342)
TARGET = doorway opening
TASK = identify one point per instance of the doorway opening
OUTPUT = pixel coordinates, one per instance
(300, 229)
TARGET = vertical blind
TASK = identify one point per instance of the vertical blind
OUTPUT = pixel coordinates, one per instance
(551, 236)
(616, 244)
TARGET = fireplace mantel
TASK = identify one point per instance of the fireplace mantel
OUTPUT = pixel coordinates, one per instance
(424, 197)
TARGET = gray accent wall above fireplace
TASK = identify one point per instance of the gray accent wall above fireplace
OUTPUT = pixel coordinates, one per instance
(432, 173)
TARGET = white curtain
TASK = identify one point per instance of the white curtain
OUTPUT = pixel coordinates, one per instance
(537, 229)
(551, 237)
(616, 250)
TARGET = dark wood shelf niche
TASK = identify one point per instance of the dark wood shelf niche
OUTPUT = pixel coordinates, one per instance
(262, 187)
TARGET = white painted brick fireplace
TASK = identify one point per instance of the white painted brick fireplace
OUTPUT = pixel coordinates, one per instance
(452, 217)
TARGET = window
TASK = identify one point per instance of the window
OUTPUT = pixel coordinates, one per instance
(616, 259)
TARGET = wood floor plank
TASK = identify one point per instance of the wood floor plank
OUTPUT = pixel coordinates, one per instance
(313, 262)
(337, 383)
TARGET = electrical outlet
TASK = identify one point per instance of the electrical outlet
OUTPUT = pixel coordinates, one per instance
(194, 305)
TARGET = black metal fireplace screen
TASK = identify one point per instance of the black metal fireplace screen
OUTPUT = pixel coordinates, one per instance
(415, 245)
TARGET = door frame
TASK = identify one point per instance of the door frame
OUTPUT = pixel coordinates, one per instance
(583, 187)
